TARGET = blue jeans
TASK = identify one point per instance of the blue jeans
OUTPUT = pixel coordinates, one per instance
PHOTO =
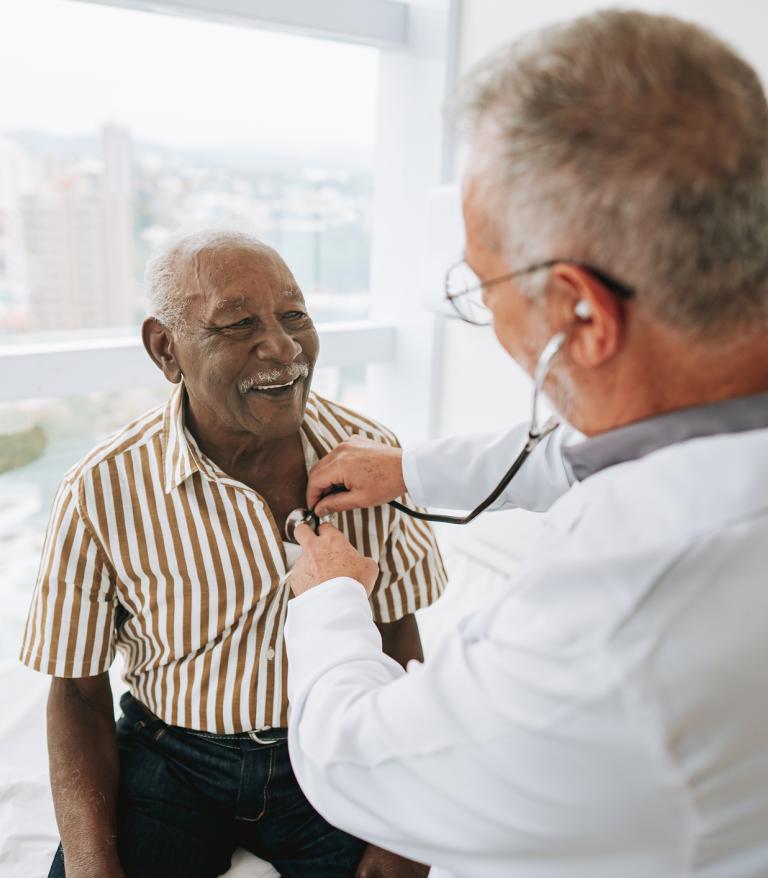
(187, 799)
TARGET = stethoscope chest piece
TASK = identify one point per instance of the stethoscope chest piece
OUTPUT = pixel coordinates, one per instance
(297, 517)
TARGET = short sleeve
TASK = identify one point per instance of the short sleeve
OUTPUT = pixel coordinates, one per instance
(411, 571)
(70, 626)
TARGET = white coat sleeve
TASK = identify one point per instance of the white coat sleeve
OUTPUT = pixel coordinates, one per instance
(495, 757)
(353, 735)
(460, 471)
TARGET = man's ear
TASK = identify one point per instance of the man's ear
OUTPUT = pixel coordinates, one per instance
(159, 344)
(592, 316)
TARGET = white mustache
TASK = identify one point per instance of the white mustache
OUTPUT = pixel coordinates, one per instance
(273, 376)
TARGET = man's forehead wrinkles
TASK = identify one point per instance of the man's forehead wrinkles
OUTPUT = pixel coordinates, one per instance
(197, 272)
(235, 303)
(238, 303)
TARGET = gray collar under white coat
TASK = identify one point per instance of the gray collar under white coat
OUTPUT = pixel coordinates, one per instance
(636, 440)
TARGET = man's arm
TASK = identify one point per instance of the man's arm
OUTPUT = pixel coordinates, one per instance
(84, 768)
(76, 651)
(400, 640)
(453, 473)
(459, 472)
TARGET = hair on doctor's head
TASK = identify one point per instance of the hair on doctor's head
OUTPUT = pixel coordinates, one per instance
(637, 143)
(173, 274)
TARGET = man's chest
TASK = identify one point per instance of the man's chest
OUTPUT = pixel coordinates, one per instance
(210, 551)
(280, 498)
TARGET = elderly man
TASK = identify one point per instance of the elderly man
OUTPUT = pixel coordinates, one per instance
(607, 717)
(166, 543)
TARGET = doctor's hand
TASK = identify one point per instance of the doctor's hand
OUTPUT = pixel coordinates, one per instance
(358, 473)
(325, 556)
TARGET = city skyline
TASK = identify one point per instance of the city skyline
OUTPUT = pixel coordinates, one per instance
(79, 218)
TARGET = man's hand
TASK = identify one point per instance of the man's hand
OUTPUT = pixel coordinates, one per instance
(325, 556)
(361, 472)
(378, 863)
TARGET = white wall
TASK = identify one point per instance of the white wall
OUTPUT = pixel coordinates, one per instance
(409, 164)
(479, 384)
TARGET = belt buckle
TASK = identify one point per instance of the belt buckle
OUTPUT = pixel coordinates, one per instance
(255, 737)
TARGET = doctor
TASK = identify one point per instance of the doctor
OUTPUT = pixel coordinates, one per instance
(608, 717)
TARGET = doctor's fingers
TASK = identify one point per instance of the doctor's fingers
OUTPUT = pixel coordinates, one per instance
(357, 473)
(327, 536)
(304, 535)
(329, 555)
(340, 470)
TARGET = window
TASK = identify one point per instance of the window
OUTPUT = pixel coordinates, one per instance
(123, 126)
(126, 126)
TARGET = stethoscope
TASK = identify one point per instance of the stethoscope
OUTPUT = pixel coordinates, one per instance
(535, 436)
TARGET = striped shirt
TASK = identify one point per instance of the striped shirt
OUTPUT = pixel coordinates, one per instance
(153, 550)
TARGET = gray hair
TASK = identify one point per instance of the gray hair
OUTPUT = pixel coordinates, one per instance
(174, 270)
(637, 143)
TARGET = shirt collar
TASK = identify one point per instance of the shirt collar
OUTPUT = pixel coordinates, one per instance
(179, 459)
(643, 437)
(182, 456)
(316, 437)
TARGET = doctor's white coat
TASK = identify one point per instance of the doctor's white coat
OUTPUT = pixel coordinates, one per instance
(608, 718)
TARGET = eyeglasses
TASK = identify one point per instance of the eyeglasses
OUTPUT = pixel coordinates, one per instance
(464, 289)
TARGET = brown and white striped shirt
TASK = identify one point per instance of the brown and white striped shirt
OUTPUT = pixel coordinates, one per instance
(154, 551)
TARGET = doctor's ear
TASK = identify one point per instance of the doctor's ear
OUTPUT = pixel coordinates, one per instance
(159, 343)
(591, 315)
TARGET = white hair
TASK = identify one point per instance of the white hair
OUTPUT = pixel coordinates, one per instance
(174, 270)
(637, 143)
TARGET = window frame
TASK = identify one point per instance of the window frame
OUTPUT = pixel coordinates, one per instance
(382, 23)
(53, 370)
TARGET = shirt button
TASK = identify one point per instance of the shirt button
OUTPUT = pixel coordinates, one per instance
(270, 654)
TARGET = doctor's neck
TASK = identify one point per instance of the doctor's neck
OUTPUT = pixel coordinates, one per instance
(658, 371)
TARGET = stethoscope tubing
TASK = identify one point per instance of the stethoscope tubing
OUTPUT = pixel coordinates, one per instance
(535, 435)
(438, 518)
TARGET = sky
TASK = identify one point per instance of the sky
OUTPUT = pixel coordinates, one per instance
(66, 67)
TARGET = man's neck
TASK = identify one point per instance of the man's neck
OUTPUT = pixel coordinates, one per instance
(274, 468)
(238, 452)
(675, 377)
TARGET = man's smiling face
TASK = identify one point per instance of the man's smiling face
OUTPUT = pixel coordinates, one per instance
(249, 346)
